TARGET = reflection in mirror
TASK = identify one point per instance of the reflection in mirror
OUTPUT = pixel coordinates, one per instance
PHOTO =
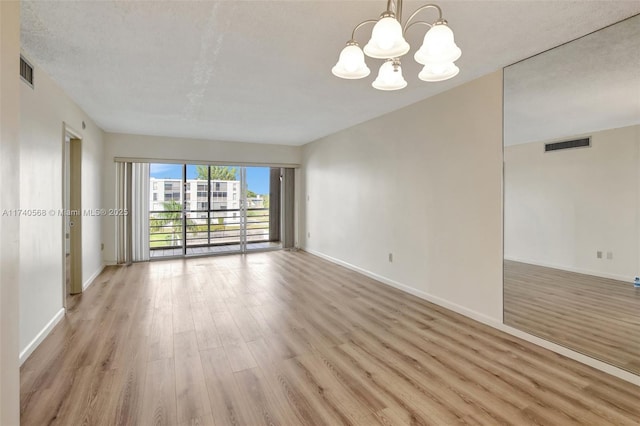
(572, 195)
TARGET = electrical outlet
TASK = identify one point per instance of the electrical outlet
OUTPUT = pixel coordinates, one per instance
(390, 257)
(609, 255)
(599, 254)
(101, 246)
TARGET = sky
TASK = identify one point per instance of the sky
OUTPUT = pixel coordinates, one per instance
(257, 177)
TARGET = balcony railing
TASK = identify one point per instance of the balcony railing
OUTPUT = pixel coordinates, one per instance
(168, 229)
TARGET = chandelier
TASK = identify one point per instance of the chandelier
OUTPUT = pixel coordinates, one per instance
(437, 53)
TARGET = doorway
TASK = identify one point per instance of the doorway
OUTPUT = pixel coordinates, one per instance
(71, 214)
(199, 209)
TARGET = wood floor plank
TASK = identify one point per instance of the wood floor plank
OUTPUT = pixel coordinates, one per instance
(317, 371)
(324, 406)
(182, 317)
(227, 328)
(159, 401)
(247, 325)
(206, 332)
(192, 398)
(98, 398)
(199, 421)
(226, 407)
(64, 403)
(240, 357)
(286, 338)
(129, 383)
(185, 344)
(259, 398)
(161, 339)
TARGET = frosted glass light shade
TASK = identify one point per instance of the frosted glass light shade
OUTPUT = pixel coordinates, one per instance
(351, 63)
(438, 46)
(386, 40)
(389, 78)
(438, 72)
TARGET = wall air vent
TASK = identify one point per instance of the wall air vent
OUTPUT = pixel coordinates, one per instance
(26, 71)
(576, 143)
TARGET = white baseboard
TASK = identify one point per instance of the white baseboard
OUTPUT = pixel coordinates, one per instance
(93, 277)
(618, 277)
(54, 321)
(41, 336)
(484, 319)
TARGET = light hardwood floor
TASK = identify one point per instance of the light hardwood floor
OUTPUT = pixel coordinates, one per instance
(596, 316)
(287, 338)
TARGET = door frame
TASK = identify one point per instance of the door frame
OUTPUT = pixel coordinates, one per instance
(75, 206)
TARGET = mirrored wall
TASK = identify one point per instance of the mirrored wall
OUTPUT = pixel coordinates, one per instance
(572, 195)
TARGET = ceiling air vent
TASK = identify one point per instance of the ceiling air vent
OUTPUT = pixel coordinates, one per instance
(576, 143)
(26, 71)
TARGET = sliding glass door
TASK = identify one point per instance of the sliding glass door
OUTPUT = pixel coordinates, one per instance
(262, 183)
(202, 209)
(166, 217)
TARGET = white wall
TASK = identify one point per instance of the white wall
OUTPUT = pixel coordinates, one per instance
(43, 112)
(562, 207)
(184, 150)
(9, 200)
(423, 183)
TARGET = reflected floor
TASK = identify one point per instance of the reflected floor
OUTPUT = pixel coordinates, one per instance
(221, 249)
(596, 316)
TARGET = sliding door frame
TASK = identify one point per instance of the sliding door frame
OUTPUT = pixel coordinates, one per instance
(243, 234)
(243, 209)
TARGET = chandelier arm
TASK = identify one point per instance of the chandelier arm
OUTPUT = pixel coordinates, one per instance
(416, 23)
(420, 9)
(398, 9)
(389, 4)
(395, 7)
(361, 24)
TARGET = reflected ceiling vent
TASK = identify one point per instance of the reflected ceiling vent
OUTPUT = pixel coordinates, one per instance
(26, 71)
(576, 143)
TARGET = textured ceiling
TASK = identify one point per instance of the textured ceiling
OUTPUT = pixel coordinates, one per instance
(259, 71)
(584, 86)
